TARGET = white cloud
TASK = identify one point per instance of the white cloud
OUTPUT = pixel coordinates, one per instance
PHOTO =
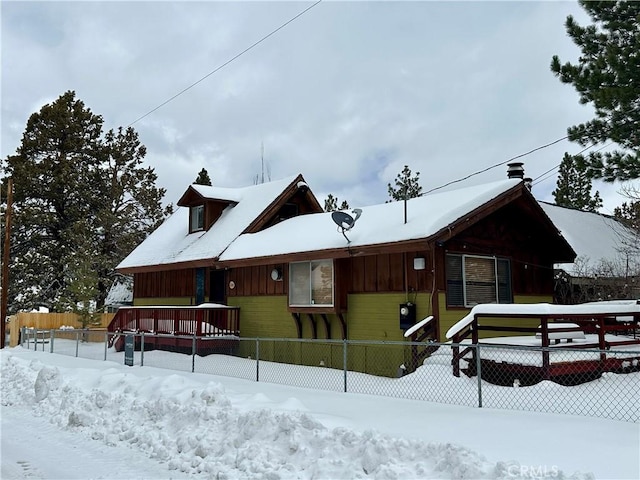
(347, 94)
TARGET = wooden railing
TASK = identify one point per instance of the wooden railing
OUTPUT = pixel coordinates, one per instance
(203, 321)
(600, 324)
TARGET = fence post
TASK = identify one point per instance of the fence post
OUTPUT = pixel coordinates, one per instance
(51, 337)
(106, 344)
(193, 353)
(257, 359)
(344, 363)
(479, 374)
(21, 336)
(141, 349)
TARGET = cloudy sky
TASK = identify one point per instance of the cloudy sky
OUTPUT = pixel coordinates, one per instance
(346, 94)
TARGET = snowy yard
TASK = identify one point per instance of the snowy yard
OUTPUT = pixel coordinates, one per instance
(107, 420)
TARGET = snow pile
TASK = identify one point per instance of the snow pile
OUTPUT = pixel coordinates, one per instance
(192, 426)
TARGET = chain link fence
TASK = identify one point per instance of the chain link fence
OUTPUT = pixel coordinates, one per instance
(557, 379)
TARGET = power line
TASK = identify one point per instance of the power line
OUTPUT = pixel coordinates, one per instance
(496, 165)
(539, 178)
(255, 44)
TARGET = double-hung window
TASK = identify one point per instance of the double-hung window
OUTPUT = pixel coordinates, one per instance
(196, 220)
(474, 279)
(311, 283)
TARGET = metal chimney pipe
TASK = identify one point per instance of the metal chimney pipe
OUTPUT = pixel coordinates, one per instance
(515, 170)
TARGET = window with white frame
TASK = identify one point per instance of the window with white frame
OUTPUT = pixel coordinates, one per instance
(474, 279)
(196, 221)
(311, 283)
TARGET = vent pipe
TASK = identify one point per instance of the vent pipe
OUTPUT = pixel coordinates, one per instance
(515, 170)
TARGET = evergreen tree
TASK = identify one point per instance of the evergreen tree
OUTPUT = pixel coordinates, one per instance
(203, 178)
(573, 188)
(129, 204)
(406, 185)
(629, 214)
(607, 76)
(82, 280)
(53, 191)
(77, 194)
(331, 204)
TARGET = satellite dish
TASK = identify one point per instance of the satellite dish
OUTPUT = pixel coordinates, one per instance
(344, 221)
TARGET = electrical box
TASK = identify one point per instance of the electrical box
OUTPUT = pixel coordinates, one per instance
(407, 315)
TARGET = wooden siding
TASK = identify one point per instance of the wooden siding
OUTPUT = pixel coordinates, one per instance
(251, 281)
(366, 274)
(168, 283)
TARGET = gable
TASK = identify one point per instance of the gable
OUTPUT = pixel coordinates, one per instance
(517, 223)
(231, 213)
(295, 200)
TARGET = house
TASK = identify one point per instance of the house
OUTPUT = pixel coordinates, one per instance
(607, 265)
(272, 252)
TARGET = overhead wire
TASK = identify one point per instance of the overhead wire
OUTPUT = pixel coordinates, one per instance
(539, 178)
(496, 165)
(220, 67)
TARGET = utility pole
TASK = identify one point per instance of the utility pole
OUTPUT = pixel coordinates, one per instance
(5, 262)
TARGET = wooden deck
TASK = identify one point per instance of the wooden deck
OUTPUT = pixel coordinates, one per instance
(593, 339)
(210, 328)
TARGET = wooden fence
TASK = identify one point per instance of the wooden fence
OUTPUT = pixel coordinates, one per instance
(49, 321)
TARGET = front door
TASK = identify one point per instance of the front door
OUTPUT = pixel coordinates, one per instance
(217, 285)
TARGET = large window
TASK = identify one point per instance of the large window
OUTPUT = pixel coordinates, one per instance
(473, 279)
(196, 222)
(311, 283)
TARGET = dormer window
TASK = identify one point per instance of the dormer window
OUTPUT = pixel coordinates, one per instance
(196, 222)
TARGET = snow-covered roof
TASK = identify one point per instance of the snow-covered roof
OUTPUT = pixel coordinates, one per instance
(378, 224)
(594, 237)
(120, 293)
(595, 308)
(218, 193)
(172, 243)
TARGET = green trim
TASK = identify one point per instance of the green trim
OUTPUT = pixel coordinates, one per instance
(170, 301)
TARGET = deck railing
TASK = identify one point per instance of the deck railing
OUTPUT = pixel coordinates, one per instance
(594, 323)
(203, 320)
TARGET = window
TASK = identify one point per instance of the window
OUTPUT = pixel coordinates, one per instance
(473, 279)
(311, 283)
(196, 221)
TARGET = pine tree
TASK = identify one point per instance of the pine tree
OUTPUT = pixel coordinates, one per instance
(573, 188)
(203, 178)
(629, 214)
(77, 194)
(607, 76)
(331, 204)
(53, 191)
(129, 204)
(406, 185)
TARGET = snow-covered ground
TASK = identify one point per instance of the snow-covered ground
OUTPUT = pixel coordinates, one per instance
(66, 417)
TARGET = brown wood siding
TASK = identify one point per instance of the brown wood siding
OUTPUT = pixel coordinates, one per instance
(171, 283)
(252, 281)
(212, 211)
(367, 274)
(387, 272)
(510, 234)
